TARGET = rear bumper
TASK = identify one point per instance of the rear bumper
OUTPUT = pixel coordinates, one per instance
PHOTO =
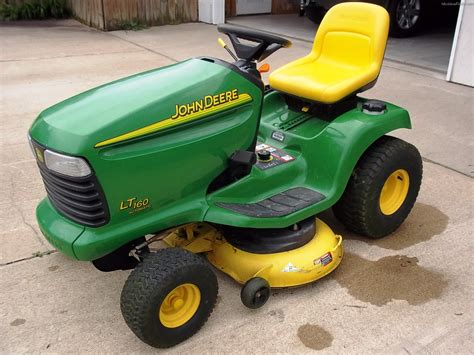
(60, 232)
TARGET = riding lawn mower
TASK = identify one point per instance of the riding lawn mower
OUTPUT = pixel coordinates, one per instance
(226, 171)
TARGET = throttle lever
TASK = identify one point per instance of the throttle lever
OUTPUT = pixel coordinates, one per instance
(224, 45)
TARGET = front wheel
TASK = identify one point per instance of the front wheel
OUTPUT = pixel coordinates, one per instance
(168, 297)
(382, 189)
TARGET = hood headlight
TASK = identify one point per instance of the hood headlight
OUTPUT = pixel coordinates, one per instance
(66, 165)
(31, 146)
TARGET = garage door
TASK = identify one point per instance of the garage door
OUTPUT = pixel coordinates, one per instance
(247, 7)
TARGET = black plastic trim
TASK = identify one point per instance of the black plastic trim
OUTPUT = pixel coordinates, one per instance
(239, 70)
(327, 112)
(81, 199)
(281, 204)
(270, 240)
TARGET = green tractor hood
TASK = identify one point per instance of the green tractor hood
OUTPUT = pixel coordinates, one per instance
(154, 142)
(92, 118)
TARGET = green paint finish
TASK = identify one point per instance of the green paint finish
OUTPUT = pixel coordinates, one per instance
(58, 231)
(326, 154)
(171, 169)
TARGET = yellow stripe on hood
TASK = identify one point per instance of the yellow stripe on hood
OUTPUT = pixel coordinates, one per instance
(171, 122)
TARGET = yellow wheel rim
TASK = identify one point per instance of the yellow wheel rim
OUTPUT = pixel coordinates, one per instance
(394, 192)
(180, 305)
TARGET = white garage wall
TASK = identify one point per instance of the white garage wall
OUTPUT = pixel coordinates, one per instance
(461, 68)
(212, 11)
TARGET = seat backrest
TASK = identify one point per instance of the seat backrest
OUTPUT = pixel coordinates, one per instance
(353, 34)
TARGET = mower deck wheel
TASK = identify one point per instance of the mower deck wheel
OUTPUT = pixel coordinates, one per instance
(255, 293)
(168, 297)
(382, 189)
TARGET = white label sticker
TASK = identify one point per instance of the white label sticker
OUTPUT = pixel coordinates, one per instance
(278, 136)
(290, 268)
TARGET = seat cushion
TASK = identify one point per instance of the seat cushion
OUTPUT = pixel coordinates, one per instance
(346, 57)
(321, 81)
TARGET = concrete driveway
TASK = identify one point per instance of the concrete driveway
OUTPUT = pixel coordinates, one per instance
(411, 292)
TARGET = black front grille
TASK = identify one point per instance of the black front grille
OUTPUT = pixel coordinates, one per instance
(79, 199)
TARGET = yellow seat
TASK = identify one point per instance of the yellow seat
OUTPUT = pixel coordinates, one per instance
(346, 57)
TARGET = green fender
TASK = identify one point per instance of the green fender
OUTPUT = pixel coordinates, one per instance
(344, 141)
(326, 154)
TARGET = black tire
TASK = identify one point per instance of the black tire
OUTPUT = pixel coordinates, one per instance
(409, 24)
(255, 293)
(359, 208)
(150, 283)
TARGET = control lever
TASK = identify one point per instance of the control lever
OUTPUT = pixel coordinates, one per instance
(224, 45)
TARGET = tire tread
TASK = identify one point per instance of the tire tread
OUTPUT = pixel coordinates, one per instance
(156, 269)
(353, 207)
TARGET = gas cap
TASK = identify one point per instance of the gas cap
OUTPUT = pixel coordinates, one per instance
(374, 107)
(264, 156)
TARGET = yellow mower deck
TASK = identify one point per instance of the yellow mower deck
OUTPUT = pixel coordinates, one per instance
(286, 269)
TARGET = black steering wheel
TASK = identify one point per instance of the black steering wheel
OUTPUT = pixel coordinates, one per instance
(265, 43)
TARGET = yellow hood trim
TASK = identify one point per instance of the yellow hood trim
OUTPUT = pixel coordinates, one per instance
(171, 122)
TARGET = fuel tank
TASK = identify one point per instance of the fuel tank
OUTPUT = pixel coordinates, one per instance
(156, 140)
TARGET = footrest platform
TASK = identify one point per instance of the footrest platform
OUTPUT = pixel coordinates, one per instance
(278, 205)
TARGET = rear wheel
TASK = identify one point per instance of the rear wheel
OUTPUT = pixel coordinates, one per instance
(405, 17)
(382, 189)
(168, 297)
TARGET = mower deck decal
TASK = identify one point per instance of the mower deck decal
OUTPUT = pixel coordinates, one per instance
(195, 110)
(323, 260)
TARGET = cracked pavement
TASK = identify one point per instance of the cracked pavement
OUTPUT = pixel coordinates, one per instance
(407, 293)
